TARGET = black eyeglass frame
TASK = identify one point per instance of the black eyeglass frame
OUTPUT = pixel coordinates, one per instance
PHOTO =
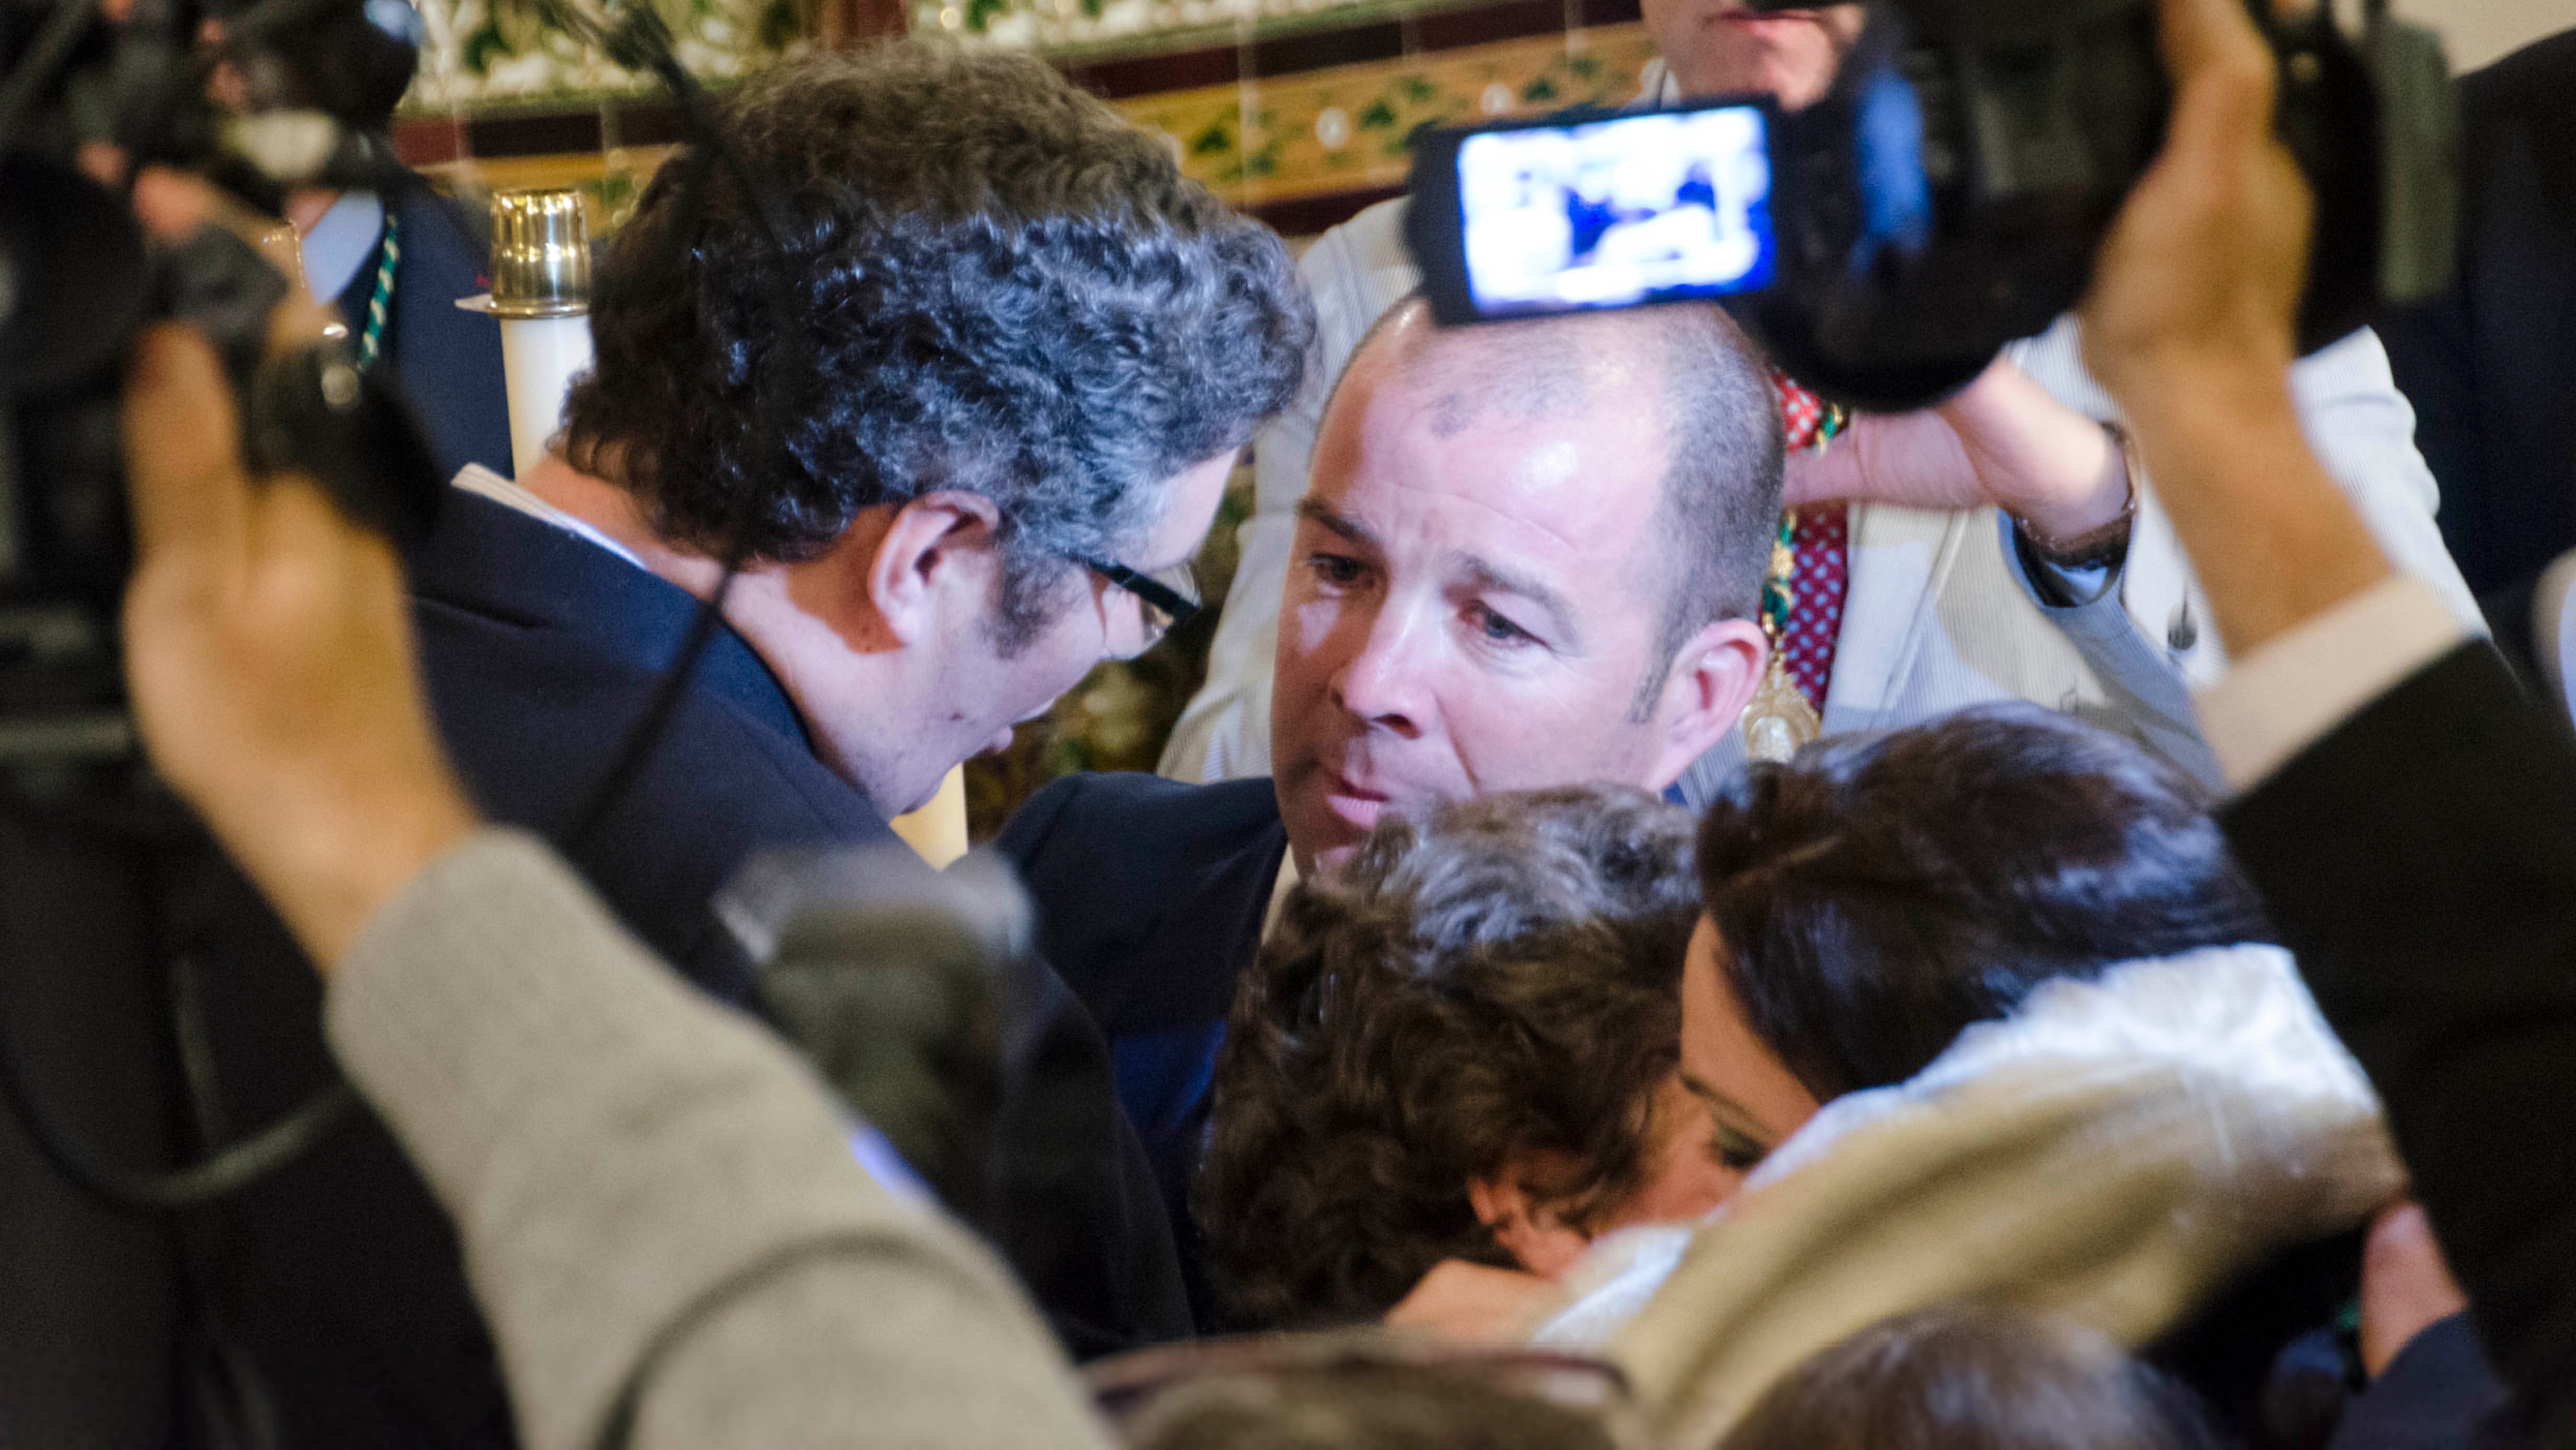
(1178, 608)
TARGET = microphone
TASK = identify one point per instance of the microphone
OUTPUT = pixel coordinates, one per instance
(894, 981)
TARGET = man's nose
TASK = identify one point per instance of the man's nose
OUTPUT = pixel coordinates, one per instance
(1387, 682)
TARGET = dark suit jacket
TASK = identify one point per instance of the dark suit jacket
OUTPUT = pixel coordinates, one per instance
(541, 651)
(2421, 861)
(2491, 365)
(2439, 1393)
(1150, 898)
(447, 361)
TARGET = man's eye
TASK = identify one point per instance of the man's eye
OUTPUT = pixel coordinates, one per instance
(1337, 570)
(1497, 630)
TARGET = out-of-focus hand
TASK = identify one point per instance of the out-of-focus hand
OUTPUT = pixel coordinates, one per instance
(1477, 1303)
(268, 653)
(2406, 1285)
(2189, 325)
(2002, 440)
(2198, 281)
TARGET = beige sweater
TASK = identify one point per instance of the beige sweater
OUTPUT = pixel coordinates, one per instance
(662, 1217)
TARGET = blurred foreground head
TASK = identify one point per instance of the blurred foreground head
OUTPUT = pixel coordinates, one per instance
(1363, 1392)
(1974, 1377)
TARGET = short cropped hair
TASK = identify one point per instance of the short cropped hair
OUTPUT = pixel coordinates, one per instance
(1497, 980)
(1877, 894)
(1007, 290)
(1974, 1377)
(1719, 507)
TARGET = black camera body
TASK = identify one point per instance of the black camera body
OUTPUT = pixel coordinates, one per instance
(1946, 196)
(78, 279)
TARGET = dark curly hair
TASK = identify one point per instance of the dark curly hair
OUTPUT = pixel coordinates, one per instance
(1499, 980)
(1877, 894)
(1000, 287)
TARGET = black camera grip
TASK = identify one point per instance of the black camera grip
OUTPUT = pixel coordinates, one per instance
(312, 410)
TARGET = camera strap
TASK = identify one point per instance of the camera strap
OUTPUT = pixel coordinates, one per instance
(380, 300)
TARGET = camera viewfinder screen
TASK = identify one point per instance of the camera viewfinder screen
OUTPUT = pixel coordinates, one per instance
(1607, 213)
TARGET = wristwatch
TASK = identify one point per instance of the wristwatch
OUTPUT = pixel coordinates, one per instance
(2105, 545)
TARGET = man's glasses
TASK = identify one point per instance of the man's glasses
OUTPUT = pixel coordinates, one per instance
(1166, 598)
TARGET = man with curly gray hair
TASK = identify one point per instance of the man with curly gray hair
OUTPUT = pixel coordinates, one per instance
(952, 422)
(1019, 346)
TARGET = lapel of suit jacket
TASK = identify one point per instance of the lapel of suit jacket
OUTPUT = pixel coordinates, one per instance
(1900, 560)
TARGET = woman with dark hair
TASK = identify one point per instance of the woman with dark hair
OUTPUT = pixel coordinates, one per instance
(1997, 989)
(1867, 901)
(1975, 1377)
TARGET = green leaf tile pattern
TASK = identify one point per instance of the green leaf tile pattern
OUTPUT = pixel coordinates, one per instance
(1348, 128)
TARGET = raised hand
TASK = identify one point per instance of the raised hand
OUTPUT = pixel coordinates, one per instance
(2002, 440)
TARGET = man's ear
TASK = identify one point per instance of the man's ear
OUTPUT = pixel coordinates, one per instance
(1527, 1229)
(933, 546)
(1713, 679)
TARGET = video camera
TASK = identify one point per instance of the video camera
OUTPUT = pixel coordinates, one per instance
(1944, 198)
(82, 96)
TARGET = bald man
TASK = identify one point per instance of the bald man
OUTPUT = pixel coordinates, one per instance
(1533, 555)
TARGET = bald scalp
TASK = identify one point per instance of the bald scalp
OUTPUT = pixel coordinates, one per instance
(1542, 368)
(1720, 501)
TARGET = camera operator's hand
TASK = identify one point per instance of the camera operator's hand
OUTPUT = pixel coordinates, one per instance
(2189, 325)
(269, 655)
(2199, 277)
(2002, 440)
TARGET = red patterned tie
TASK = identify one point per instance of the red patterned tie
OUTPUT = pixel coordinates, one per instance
(1821, 543)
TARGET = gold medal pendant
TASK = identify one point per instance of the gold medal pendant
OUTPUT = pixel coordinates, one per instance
(1779, 719)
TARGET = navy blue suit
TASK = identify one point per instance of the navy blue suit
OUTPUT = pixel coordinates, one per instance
(447, 361)
(541, 651)
(1150, 897)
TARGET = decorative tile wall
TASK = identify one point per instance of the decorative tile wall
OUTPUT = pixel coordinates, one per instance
(1259, 142)
(1077, 25)
(1345, 128)
(483, 55)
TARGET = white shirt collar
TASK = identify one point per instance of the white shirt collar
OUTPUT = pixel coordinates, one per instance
(475, 478)
(343, 241)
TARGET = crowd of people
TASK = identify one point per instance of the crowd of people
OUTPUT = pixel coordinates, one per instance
(2134, 1018)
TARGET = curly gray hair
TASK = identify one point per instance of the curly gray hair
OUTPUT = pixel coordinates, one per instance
(1007, 290)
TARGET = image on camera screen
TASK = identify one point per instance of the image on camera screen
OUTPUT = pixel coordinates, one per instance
(1610, 213)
